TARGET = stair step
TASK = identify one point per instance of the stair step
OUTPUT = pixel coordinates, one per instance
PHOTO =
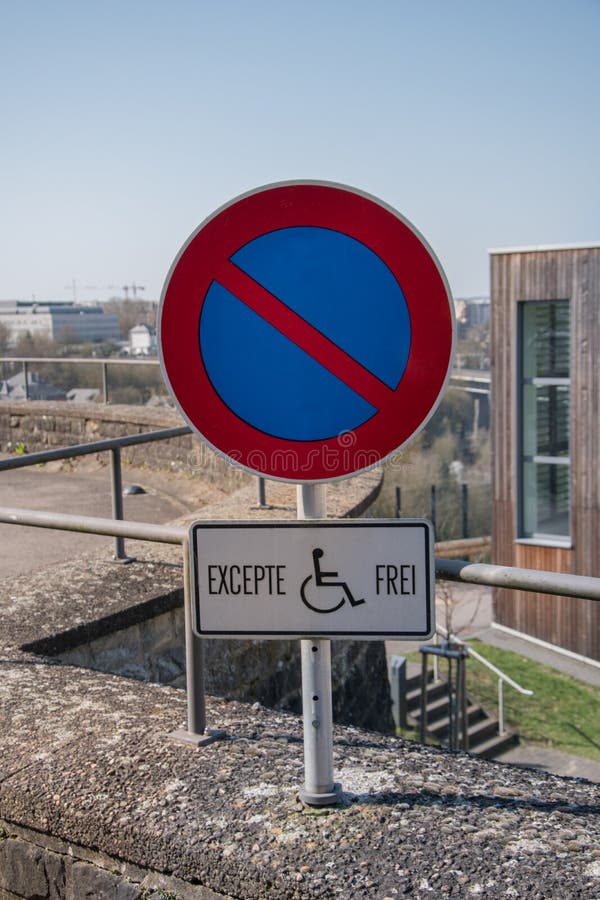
(496, 745)
(484, 739)
(440, 726)
(413, 683)
(434, 690)
(435, 709)
(481, 731)
(413, 677)
(438, 708)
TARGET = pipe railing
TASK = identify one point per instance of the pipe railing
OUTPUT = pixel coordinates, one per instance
(564, 585)
(103, 362)
(502, 677)
(523, 579)
(143, 531)
(111, 445)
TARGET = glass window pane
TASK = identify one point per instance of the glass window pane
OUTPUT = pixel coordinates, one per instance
(546, 420)
(546, 339)
(545, 499)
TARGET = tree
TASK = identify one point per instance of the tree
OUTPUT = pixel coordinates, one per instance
(131, 312)
(35, 345)
(4, 339)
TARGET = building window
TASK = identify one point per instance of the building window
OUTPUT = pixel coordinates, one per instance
(545, 393)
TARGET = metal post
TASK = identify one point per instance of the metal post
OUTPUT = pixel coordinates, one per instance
(26, 379)
(423, 717)
(262, 493)
(196, 732)
(452, 709)
(398, 502)
(194, 659)
(105, 382)
(319, 787)
(462, 670)
(465, 509)
(433, 506)
(398, 690)
(117, 503)
(261, 486)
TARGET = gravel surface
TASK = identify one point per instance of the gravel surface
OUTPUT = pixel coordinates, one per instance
(91, 763)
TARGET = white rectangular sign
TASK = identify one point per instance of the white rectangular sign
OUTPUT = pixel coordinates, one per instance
(363, 578)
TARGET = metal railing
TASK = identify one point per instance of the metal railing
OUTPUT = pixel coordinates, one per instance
(563, 585)
(110, 445)
(103, 363)
(458, 379)
(454, 570)
(143, 531)
(120, 530)
(503, 678)
(446, 569)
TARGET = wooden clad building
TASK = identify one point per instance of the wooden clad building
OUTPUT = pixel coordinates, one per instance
(545, 371)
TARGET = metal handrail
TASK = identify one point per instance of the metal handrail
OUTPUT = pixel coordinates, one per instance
(443, 632)
(194, 648)
(128, 440)
(564, 585)
(501, 675)
(143, 531)
(581, 586)
(88, 360)
(503, 678)
(113, 446)
(103, 362)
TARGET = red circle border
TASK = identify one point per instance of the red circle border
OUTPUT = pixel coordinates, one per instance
(413, 265)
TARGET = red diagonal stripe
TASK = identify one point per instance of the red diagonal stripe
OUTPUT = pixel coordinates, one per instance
(303, 334)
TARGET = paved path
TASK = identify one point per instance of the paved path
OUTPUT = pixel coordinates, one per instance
(85, 489)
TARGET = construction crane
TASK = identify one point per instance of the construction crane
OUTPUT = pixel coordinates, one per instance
(76, 289)
(134, 289)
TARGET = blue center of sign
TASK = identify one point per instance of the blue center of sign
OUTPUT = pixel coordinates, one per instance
(342, 289)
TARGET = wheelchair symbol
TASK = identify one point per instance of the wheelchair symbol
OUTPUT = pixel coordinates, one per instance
(324, 580)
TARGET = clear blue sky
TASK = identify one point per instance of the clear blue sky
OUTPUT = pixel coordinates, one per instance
(125, 122)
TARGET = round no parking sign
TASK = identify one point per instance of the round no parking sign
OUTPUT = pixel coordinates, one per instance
(306, 331)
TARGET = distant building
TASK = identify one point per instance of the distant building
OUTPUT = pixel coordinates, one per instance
(61, 322)
(471, 311)
(37, 388)
(83, 395)
(546, 434)
(142, 341)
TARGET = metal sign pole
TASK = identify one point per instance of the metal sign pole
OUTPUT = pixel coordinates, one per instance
(319, 787)
(196, 732)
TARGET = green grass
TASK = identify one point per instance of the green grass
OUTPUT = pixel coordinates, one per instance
(563, 713)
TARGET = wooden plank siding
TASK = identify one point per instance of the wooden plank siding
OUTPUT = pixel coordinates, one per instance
(548, 274)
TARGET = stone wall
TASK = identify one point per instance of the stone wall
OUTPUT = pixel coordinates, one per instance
(36, 865)
(36, 425)
(265, 671)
